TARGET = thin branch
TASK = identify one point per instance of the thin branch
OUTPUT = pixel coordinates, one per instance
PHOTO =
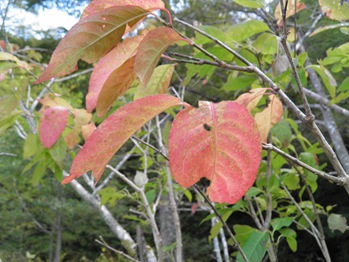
(103, 243)
(338, 180)
(231, 235)
(151, 217)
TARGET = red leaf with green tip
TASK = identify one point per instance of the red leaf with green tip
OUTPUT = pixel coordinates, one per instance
(108, 70)
(150, 50)
(99, 5)
(107, 139)
(91, 38)
(52, 123)
(219, 142)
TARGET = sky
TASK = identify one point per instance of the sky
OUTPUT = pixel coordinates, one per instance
(44, 20)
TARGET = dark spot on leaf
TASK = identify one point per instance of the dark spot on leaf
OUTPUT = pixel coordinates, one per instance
(207, 127)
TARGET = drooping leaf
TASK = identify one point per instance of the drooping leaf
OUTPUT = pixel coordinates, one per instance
(150, 50)
(30, 146)
(291, 9)
(115, 131)
(268, 117)
(52, 123)
(334, 9)
(116, 85)
(108, 69)
(158, 83)
(219, 142)
(282, 131)
(58, 152)
(99, 5)
(250, 3)
(255, 246)
(91, 38)
(290, 235)
(87, 130)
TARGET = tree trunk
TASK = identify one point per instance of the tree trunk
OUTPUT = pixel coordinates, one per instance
(167, 227)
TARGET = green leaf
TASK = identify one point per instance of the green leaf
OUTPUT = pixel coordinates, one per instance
(158, 83)
(39, 172)
(291, 181)
(327, 78)
(255, 246)
(278, 223)
(30, 146)
(58, 152)
(150, 195)
(245, 30)
(339, 98)
(211, 30)
(218, 226)
(344, 86)
(236, 83)
(7, 104)
(250, 3)
(266, 44)
(337, 222)
(335, 10)
(110, 195)
(8, 120)
(282, 131)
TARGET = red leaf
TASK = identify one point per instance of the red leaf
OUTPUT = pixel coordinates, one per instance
(115, 131)
(52, 123)
(150, 50)
(269, 117)
(108, 68)
(99, 5)
(219, 142)
(91, 38)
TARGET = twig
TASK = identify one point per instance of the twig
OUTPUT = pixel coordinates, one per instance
(151, 217)
(231, 235)
(337, 180)
(103, 243)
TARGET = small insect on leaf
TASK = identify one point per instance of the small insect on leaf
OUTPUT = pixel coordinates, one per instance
(207, 127)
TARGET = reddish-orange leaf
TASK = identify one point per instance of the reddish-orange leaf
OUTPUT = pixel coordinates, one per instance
(108, 68)
(150, 50)
(87, 130)
(99, 5)
(269, 117)
(116, 85)
(115, 131)
(91, 38)
(219, 142)
(251, 99)
(52, 123)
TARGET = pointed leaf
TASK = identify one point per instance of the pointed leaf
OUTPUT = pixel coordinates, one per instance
(251, 99)
(52, 123)
(269, 117)
(115, 131)
(107, 68)
(150, 50)
(217, 141)
(250, 3)
(99, 5)
(158, 83)
(91, 38)
(116, 85)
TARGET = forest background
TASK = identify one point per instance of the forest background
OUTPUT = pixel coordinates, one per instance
(45, 221)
